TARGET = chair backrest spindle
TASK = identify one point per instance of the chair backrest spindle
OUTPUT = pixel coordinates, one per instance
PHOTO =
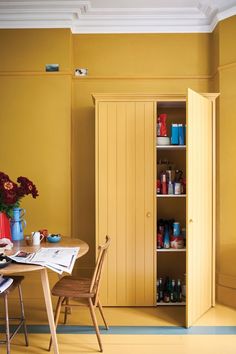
(96, 279)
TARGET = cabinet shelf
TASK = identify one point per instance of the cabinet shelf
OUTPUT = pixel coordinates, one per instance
(171, 147)
(171, 303)
(171, 195)
(171, 249)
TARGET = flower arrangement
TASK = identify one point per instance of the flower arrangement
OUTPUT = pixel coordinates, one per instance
(11, 193)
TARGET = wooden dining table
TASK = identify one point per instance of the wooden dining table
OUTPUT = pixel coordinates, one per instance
(14, 268)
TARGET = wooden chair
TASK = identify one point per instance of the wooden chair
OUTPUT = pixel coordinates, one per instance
(16, 284)
(70, 287)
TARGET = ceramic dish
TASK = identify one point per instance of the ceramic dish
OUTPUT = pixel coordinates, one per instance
(163, 140)
(4, 261)
(53, 238)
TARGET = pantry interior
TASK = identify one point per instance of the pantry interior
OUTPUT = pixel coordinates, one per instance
(171, 205)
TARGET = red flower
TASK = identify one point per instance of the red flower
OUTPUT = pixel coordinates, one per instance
(8, 188)
(27, 187)
(3, 177)
(10, 198)
(8, 185)
(11, 193)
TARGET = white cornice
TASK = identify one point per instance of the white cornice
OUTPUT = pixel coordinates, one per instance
(84, 17)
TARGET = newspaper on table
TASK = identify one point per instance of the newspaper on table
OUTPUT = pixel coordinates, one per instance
(5, 283)
(58, 259)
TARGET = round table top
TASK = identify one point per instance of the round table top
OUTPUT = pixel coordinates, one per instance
(21, 246)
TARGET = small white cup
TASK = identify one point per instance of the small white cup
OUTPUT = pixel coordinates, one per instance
(37, 238)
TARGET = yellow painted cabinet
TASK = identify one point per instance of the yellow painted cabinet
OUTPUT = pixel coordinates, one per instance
(127, 207)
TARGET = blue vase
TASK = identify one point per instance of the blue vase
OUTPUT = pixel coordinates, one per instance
(18, 224)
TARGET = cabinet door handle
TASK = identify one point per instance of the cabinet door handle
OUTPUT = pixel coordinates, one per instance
(191, 220)
(148, 214)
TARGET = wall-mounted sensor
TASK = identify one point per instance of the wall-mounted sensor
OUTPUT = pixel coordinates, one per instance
(81, 72)
(52, 67)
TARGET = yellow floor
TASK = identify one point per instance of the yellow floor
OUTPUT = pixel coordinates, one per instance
(219, 315)
(129, 344)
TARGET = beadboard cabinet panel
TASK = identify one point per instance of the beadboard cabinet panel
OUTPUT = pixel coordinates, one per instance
(125, 197)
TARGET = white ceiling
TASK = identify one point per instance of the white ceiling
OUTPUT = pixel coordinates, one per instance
(117, 16)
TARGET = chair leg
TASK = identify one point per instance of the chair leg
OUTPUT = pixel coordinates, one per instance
(102, 314)
(56, 317)
(67, 310)
(94, 319)
(7, 324)
(23, 315)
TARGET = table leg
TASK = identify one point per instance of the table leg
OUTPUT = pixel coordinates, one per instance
(48, 302)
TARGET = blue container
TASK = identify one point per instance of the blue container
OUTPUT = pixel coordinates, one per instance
(181, 134)
(17, 230)
(176, 229)
(174, 134)
(18, 224)
(18, 214)
(166, 240)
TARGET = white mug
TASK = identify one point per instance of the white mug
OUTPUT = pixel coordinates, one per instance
(37, 238)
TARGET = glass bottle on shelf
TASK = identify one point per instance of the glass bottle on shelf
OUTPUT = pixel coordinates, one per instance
(184, 288)
(161, 290)
(167, 290)
(179, 291)
(173, 293)
(170, 188)
(166, 241)
(163, 183)
(158, 290)
(160, 233)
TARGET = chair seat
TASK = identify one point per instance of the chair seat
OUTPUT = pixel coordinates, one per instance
(72, 287)
(16, 281)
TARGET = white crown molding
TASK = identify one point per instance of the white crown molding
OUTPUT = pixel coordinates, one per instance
(226, 13)
(82, 17)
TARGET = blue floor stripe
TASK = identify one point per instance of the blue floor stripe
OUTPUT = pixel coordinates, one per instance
(134, 330)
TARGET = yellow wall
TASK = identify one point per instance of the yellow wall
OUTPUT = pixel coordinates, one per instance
(35, 118)
(30, 49)
(214, 60)
(35, 142)
(47, 120)
(226, 250)
(142, 54)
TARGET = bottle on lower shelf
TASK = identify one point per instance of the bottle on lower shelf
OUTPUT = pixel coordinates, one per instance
(170, 292)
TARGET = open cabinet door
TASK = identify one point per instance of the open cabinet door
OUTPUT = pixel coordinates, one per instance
(199, 206)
